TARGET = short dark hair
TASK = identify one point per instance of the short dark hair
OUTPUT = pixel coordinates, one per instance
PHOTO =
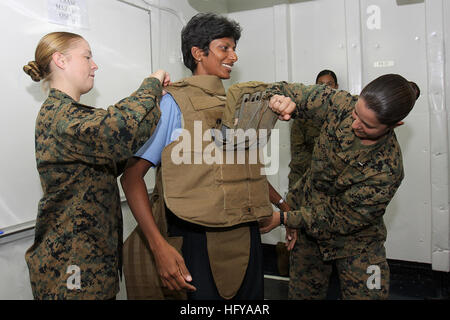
(391, 96)
(327, 72)
(201, 30)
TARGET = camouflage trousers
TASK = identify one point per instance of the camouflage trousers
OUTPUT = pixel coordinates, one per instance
(363, 276)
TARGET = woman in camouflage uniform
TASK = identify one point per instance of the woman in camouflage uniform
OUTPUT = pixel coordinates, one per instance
(304, 135)
(340, 201)
(78, 236)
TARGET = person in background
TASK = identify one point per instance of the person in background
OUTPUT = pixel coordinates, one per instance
(328, 78)
(304, 134)
(303, 138)
(77, 250)
(339, 202)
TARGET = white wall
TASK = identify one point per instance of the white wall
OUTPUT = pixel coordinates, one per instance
(403, 45)
(319, 40)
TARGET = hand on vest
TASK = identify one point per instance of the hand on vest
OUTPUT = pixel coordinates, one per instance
(162, 76)
(172, 269)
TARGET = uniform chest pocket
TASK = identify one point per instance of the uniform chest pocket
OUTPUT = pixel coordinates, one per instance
(327, 169)
(211, 109)
(354, 174)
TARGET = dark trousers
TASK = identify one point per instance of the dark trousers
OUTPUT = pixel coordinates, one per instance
(195, 254)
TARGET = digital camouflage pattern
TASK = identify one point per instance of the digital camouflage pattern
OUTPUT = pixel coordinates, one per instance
(303, 138)
(340, 200)
(304, 133)
(79, 154)
(362, 276)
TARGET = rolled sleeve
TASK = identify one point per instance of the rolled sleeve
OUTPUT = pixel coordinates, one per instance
(295, 219)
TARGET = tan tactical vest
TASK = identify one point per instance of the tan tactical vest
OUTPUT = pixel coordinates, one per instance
(230, 192)
(212, 195)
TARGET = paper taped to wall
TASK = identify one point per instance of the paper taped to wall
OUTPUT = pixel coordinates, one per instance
(72, 13)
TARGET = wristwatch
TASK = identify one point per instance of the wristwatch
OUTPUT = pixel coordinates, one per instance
(281, 218)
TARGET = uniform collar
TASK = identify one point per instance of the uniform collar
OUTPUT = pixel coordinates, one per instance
(58, 94)
(360, 156)
(208, 83)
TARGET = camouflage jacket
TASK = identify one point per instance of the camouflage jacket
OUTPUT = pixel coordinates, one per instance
(77, 251)
(341, 199)
(303, 137)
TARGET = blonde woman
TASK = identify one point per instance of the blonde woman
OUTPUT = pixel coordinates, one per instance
(77, 251)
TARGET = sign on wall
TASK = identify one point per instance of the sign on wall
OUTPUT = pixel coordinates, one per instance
(72, 13)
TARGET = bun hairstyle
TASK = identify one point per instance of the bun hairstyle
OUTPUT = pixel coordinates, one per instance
(39, 69)
(415, 88)
(32, 69)
(391, 96)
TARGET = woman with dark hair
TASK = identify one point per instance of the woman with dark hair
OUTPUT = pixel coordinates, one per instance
(339, 203)
(201, 30)
(303, 138)
(201, 223)
(304, 134)
(327, 77)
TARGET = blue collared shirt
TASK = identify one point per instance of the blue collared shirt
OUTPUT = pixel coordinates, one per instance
(167, 130)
